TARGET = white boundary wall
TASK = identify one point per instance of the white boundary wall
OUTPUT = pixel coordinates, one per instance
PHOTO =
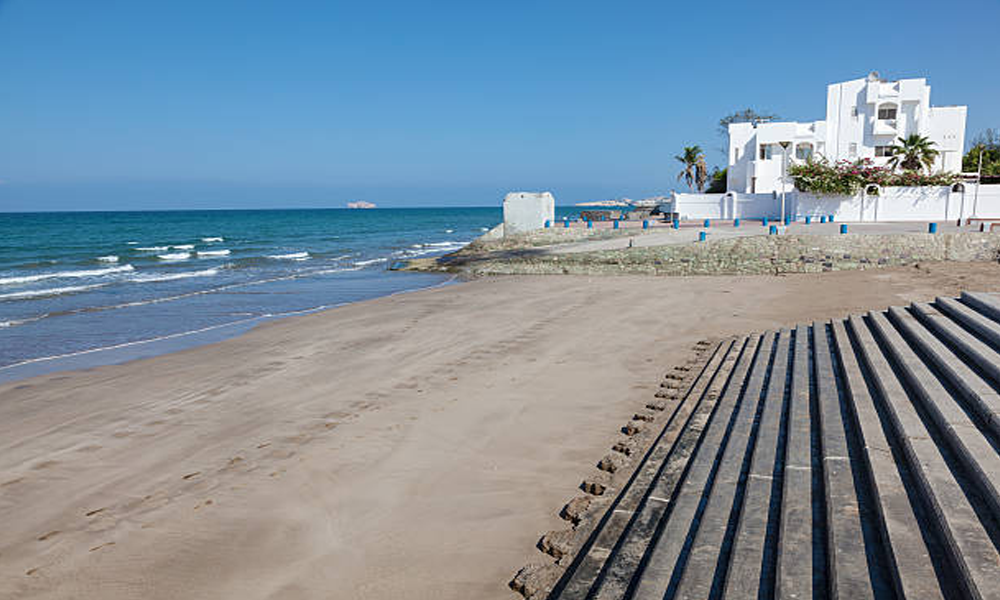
(727, 206)
(891, 204)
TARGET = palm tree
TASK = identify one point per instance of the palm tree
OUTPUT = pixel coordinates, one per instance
(700, 173)
(690, 158)
(913, 153)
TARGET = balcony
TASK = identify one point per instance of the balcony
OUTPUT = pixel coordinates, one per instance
(885, 127)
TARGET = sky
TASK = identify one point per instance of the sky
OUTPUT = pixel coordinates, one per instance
(116, 105)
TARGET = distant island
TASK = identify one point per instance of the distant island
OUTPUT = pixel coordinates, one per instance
(360, 204)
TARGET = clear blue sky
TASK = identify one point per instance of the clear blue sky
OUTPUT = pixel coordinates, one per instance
(219, 104)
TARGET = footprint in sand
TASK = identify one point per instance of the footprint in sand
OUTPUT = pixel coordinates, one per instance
(208, 502)
(104, 545)
(48, 535)
(45, 464)
(96, 511)
(191, 475)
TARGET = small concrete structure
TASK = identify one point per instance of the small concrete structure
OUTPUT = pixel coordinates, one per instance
(527, 211)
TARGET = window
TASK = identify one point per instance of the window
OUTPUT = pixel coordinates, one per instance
(766, 151)
(852, 150)
(803, 150)
(883, 151)
(737, 156)
(854, 112)
(886, 113)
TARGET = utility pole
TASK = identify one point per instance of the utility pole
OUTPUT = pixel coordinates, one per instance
(979, 176)
(784, 167)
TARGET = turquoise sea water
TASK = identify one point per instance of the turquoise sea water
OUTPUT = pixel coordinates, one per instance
(71, 283)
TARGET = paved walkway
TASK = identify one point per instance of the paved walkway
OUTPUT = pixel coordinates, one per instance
(689, 231)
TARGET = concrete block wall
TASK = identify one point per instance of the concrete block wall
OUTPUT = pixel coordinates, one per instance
(527, 211)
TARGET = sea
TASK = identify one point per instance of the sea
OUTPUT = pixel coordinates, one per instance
(81, 289)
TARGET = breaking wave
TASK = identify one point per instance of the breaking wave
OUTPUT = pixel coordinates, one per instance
(59, 291)
(155, 277)
(290, 256)
(174, 256)
(65, 275)
(212, 253)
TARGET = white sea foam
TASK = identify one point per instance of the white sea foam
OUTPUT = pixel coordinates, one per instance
(59, 291)
(291, 256)
(362, 263)
(183, 247)
(449, 231)
(156, 277)
(131, 243)
(209, 240)
(65, 275)
(111, 258)
(153, 248)
(484, 229)
(212, 253)
(174, 256)
(429, 248)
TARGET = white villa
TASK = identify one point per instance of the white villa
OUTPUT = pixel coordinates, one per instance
(864, 118)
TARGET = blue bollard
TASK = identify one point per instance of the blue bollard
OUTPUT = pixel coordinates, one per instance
(843, 228)
(831, 218)
(590, 224)
(736, 222)
(773, 230)
(822, 219)
(808, 219)
(701, 236)
(616, 223)
(788, 221)
(764, 221)
(548, 223)
(707, 223)
(645, 224)
(932, 228)
(566, 223)
(677, 223)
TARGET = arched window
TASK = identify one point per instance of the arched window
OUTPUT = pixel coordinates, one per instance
(958, 187)
(887, 112)
(803, 150)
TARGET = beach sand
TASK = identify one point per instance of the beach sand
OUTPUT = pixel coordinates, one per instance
(413, 446)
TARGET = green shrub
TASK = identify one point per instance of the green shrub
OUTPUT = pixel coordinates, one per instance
(846, 178)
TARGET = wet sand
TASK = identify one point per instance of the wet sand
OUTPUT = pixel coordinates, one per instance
(411, 446)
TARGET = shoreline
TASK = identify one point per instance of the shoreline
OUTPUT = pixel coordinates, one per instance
(407, 446)
(121, 353)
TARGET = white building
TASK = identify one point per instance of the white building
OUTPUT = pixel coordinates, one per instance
(864, 117)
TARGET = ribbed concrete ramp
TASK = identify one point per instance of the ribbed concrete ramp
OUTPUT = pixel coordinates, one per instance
(850, 459)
